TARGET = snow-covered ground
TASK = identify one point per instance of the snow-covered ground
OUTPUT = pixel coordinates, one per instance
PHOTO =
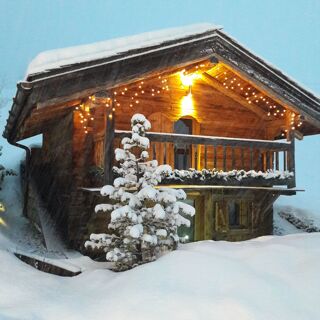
(266, 278)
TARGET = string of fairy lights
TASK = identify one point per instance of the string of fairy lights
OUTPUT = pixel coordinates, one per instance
(232, 82)
(136, 92)
(131, 95)
(85, 112)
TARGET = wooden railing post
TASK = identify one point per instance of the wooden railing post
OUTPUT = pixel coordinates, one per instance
(109, 145)
(291, 159)
(277, 160)
(205, 156)
(224, 158)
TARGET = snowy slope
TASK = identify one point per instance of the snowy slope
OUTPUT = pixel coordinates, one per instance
(290, 220)
(308, 217)
(266, 278)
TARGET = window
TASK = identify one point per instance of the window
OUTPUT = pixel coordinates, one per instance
(232, 214)
(238, 213)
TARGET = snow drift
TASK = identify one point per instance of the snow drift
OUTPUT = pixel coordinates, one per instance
(266, 278)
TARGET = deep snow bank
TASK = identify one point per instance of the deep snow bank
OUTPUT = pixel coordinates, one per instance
(266, 278)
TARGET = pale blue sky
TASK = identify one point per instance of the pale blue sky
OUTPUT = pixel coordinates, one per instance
(284, 32)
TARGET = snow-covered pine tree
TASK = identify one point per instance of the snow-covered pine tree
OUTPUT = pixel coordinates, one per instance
(144, 219)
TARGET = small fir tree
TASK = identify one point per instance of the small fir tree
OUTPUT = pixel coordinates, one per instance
(144, 219)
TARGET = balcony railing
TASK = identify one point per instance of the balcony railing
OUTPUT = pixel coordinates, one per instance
(220, 153)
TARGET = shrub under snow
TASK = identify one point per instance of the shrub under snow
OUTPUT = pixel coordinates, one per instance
(144, 219)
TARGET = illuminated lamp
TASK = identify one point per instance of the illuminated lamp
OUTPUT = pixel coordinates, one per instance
(187, 79)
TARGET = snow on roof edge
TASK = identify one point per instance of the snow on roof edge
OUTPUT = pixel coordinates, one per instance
(57, 58)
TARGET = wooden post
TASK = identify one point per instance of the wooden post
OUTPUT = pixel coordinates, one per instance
(277, 160)
(196, 157)
(199, 157)
(165, 153)
(267, 154)
(109, 145)
(214, 157)
(242, 159)
(233, 160)
(224, 158)
(291, 159)
(284, 160)
(205, 156)
(154, 155)
(272, 160)
(260, 160)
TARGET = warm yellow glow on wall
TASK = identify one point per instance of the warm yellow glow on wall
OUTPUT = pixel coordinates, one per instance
(187, 106)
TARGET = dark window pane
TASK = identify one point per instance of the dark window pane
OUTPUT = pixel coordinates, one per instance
(234, 213)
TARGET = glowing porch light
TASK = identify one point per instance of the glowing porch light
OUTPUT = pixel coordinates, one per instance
(187, 79)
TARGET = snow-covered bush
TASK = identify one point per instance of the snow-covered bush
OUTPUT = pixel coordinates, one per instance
(144, 219)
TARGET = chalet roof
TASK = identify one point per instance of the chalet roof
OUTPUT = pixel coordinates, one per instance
(60, 75)
(54, 59)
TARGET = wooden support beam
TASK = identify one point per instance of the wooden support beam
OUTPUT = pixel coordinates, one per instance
(291, 158)
(48, 105)
(216, 85)
(109, 145)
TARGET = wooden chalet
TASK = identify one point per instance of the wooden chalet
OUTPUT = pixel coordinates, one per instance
(212, 104)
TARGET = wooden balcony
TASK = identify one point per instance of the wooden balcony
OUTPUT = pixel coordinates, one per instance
(252, 162)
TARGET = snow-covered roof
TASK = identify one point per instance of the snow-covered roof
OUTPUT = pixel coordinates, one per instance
(82, 70)
(57, 58)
